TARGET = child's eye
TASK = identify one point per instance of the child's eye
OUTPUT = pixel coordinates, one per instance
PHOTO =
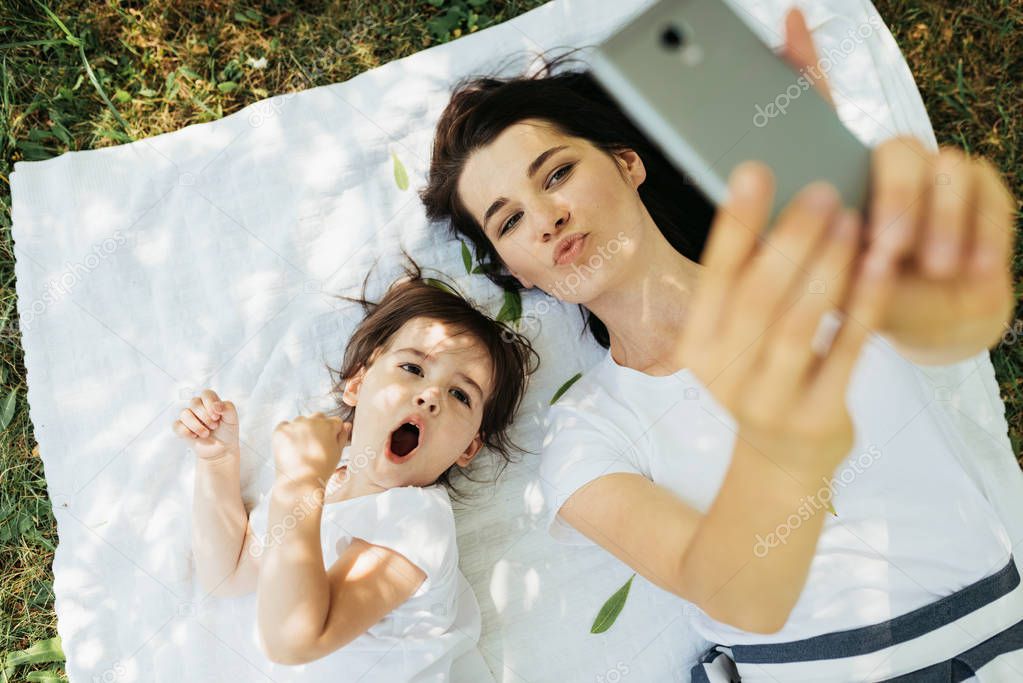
(461, 396)
(416, 370)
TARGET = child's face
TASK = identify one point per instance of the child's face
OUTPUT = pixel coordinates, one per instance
(428, 377)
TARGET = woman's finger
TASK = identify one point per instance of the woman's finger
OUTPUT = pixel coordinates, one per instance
(948, 220)
(790, 355)
(901, 173)
(800, 52)
(869, 291)
(733, 237)
(766, 288)
(994, 233)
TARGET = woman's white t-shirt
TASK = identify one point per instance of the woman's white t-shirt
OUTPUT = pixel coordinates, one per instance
(911, 526)
(422, 637)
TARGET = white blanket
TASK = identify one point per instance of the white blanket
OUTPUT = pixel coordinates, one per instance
(207, 256)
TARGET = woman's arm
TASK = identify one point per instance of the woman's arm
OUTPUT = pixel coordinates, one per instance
(305, 612)
(719, 561)
(752, 339)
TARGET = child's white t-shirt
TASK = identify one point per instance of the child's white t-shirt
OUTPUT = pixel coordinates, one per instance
(911, 525)
(422, 637)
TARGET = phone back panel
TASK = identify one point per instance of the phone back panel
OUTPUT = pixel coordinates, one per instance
(723, 97)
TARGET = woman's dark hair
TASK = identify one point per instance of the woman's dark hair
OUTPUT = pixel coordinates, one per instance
(512, 356)
(481, 108)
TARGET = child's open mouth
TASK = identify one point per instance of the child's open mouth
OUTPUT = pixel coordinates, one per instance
(403, 442)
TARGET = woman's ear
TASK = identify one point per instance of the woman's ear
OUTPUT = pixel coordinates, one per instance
(350, 397)
(474, 447)
(632, 166)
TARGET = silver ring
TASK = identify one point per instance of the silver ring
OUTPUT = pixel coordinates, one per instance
(827, 329)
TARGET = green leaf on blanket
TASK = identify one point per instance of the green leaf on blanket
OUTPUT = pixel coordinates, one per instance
(485, 268)
(38, 653)
(400, 175)
(831, 509)
(466, 258)
(565, 387)
(10, 404)
(439, 285)
(511, 310)
(611, 609)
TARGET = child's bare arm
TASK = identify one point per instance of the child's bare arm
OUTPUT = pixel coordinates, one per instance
(305, 612)
(219, 520)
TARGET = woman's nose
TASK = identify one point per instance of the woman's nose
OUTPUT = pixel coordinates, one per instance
(553, 221)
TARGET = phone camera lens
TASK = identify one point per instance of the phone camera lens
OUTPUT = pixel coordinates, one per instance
(672, 38)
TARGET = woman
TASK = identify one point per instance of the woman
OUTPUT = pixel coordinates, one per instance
(709, 450)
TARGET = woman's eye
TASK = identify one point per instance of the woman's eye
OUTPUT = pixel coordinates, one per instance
(416, 370)
(509, 224)
(555, 177)
(558, 175)
(460, 395)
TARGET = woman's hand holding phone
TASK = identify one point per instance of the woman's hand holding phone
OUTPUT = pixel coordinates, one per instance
(752, 323)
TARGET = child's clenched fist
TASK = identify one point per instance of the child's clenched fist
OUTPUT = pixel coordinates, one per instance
(210, 424)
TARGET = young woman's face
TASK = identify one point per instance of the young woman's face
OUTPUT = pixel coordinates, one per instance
(558, 211)
(429, 377)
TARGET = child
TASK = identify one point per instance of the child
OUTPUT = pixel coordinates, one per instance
(426, 381)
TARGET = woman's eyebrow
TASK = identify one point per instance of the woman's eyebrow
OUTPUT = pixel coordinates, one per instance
(539, 161)
(530, 172)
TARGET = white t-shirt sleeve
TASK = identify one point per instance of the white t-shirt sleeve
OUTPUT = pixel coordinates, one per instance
(416, 522)
(578, 447)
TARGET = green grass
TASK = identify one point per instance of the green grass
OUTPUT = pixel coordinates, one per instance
(158, 66)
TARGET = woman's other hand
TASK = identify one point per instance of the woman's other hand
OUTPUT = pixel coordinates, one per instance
(211, 425)
(946, 221)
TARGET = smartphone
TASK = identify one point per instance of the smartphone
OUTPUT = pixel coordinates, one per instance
(700, 84)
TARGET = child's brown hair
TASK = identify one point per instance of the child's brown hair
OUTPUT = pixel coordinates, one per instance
(512, 356)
